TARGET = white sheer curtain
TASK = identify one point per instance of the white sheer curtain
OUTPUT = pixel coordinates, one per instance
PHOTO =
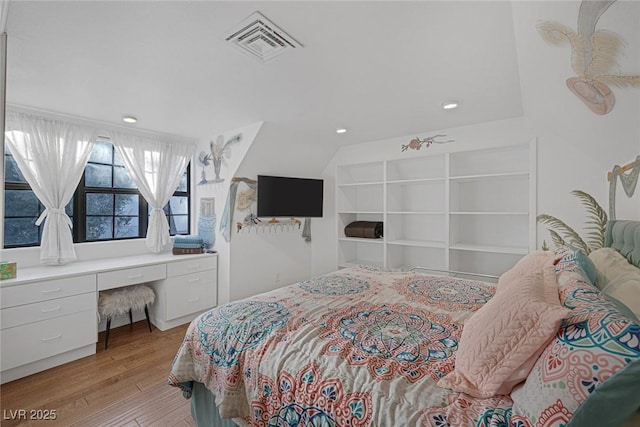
(4, 13)
(156, 166)
(52, 155)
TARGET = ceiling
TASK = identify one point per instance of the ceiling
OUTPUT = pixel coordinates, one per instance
(379, 69)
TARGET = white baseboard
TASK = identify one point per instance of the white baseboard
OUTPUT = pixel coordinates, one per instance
(49, 362)
(168, 324)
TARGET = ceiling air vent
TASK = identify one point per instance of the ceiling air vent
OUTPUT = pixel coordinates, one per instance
(261, 38)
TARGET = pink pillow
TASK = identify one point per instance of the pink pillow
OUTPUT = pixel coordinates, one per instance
(501, 342)
(531, 262)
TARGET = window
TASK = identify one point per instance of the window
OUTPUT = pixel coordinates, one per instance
(177, 210)
(105, 206)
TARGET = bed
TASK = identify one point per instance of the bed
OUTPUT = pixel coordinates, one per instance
(370, 347)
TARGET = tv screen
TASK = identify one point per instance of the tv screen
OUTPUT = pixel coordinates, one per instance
(280, 196)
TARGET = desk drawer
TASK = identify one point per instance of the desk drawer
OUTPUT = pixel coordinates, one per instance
(179, 268)
(131, 276)
(190, 293)
(39, 340)
(12, 296)
(29, 313)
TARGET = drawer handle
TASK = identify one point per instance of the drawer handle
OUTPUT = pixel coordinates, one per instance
(49, 310)
(197, 279)
(194, 299)
(193, 267)
(52, 338)
(136, 276)
(50, 291)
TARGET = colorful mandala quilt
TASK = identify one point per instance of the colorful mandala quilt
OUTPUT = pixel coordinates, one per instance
(354, 348)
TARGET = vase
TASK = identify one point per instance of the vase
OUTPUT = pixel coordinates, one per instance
(206, 230)
(207, 222)
(217, 163)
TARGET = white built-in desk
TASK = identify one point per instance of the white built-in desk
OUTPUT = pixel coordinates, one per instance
(48, 314)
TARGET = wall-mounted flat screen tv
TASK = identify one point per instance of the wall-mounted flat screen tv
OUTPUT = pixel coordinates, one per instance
(280, 196)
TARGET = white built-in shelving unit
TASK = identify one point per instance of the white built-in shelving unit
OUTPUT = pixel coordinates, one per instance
(471, 211)
(360, 197)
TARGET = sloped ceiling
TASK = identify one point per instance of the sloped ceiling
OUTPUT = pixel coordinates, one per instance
(380, 69)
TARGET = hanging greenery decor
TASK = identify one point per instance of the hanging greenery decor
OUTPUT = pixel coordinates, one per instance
(565, 237)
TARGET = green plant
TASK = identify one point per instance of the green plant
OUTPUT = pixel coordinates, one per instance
(565, 237)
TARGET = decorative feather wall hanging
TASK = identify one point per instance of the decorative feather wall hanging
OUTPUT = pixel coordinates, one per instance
(593, 57)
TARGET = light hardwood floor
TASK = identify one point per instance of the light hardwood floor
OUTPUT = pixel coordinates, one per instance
(126, 385)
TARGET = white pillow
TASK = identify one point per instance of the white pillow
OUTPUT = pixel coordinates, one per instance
(617, 277)
(610, 264)
(626, 289)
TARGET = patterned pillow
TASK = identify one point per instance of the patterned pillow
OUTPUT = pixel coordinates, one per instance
(591, 367)
(576, 260)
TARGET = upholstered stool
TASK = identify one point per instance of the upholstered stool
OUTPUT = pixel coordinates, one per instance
(115, 302)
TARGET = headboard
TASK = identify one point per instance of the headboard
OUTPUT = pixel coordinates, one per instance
(624, 236)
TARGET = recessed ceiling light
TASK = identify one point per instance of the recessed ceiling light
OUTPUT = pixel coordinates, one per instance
(341, 130)
(129, 119)
(450, 105)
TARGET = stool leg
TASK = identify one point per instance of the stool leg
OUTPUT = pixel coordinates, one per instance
(146, 313)
(130, 317)
(106, 333)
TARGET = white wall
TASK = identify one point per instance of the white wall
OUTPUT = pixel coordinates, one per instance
(576, 147)
(30, 257)
(262, 260)
(220, 191)
(499, 133)
(27, 257)
(271, 258)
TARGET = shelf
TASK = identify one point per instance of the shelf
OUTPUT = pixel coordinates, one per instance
(413, 252)
(489, 213)
(416, 181)
(453, 273)
(489, 176)
(498, 161)
(415, 212)
(416, 168)
(361, 212)
(418, 195)
(360, 198)
(361, 173)
(484, 199)
(417, 243)
(360, 240)
(360, 184)
(494, 249)
(355, 263)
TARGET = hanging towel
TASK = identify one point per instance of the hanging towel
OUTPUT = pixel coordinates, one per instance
(306, 230)
(364, 229)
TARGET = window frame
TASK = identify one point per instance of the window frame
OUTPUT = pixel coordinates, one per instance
(21, 186)
(177, 193)
(79, 217)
